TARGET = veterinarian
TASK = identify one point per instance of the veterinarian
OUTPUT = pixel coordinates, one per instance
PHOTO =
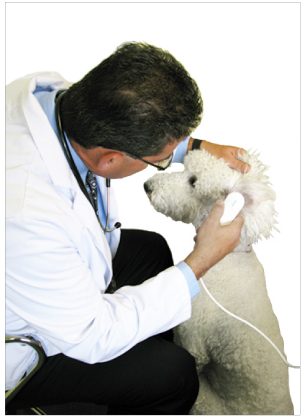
(102, 300)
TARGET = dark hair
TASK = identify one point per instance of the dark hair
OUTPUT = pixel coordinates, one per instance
(137, 100)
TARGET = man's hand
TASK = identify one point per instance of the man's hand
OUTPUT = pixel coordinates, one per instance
(228, 153)
(213, 241)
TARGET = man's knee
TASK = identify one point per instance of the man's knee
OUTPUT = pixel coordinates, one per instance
(159, 249)
(164, 381)
(178, 382)
(189, 385)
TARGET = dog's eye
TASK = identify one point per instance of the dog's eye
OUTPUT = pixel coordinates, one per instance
(192, 181)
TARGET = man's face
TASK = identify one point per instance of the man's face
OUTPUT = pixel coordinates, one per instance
(131, 165)
(113, 164)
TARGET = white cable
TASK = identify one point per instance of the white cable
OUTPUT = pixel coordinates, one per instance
(248, 324)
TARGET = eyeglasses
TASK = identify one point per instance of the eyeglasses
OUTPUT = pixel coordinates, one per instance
(161, 165)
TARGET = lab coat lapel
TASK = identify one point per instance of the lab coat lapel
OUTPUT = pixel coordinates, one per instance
(54, 159)
(84, 210)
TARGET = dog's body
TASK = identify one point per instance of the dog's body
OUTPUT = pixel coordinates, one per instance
(239, 371)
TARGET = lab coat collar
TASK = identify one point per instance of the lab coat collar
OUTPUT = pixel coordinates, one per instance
(41, 130)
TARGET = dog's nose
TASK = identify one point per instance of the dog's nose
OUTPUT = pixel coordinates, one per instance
(147, 188)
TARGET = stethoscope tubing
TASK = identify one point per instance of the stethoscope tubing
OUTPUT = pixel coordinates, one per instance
(74, 169)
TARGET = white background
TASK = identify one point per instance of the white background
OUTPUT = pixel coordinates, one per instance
(245, 58)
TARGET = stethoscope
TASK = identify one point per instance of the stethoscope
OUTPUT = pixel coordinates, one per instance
(74, 169)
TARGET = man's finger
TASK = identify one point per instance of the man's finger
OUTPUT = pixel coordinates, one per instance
(239, 220)
(239, 166)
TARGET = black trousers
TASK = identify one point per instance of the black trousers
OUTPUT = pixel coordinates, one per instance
(154, 377)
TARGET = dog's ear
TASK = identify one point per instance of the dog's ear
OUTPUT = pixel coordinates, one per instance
(259, 211)
(215, 179)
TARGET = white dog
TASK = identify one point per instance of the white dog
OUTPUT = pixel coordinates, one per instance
(239, 371)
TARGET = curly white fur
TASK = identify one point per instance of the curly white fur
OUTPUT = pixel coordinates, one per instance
(215, 180)
(238, 370)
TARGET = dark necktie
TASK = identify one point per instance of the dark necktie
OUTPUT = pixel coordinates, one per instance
(91, 184)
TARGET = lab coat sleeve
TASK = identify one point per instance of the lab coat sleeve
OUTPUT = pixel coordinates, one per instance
(50, 286)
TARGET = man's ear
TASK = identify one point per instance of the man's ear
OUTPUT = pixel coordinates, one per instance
(102, 159)
(109, 159)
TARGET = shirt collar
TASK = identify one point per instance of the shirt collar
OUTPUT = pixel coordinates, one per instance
(46, 99)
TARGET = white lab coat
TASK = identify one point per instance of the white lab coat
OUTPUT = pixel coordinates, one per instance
(59, 262)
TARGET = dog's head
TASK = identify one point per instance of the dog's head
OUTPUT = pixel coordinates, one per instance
(189, 196)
